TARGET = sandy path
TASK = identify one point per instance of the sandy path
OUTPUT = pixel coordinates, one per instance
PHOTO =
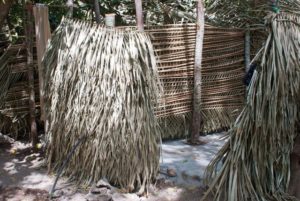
(23, 175)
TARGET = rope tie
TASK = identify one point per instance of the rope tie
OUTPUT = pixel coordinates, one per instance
(275, 6)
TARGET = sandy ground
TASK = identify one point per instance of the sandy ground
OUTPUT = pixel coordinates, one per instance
(190, 162)
(23, 175)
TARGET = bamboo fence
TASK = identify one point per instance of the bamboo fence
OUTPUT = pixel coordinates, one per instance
(223, 70)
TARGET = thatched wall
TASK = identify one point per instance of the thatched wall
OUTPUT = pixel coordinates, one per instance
(101, 86)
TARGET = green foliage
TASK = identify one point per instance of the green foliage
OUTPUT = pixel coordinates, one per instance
(168, 12)
(15, 21)
(237, 13)
(57, 9)
(155, 12)
(241, 13)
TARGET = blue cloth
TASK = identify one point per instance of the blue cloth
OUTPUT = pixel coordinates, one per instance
(249, 74)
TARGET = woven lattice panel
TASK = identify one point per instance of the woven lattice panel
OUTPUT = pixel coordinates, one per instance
(17, 97)
(222, 74)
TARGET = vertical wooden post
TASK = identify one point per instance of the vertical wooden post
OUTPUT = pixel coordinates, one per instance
(139, 15)
(97, 11)
(196, 115)
(247, 49)
(30, 67)
(43, 33)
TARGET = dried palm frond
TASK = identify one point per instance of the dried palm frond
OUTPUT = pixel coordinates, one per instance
(256, 159)
(102, 84)
(4, 77)
(214, 120)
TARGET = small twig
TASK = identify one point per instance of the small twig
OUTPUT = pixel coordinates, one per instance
(64, 164)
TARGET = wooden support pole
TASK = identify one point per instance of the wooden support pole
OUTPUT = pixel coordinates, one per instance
(196, 115)
(97, 11)
(29, 33)
(43, 34)
(139, 15)
(247, 49)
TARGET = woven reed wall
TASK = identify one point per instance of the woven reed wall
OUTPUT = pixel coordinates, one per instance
(16, 101)
(222, 73)
(14, 111)
(223, 91)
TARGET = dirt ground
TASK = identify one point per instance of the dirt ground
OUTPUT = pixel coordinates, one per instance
(23, 176)
(18, 193)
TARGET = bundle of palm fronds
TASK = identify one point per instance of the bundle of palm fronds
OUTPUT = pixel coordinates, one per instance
(256, 159)
(101, 86)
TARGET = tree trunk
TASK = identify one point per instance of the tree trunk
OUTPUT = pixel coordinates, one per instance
(97, 11)
(139, 15)
(29, 33)
(196, 116)
(4, 10)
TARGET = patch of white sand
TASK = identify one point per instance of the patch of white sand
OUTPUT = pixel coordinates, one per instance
(189, 161)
